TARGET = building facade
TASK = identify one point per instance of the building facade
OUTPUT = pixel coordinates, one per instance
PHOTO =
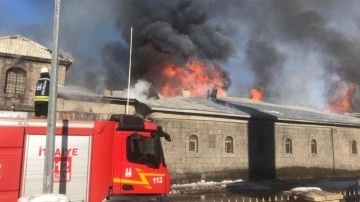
(20, 62)
(227, 139)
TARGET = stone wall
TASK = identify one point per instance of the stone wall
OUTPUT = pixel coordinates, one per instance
(334, 157)
(249, 160)
(64, 105)
(302, 162)
(211, 161)
(24, 102)
(347, 163)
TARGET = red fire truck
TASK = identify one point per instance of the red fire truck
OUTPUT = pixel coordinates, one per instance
(116, 160)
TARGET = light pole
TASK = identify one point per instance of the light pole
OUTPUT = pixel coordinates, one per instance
(48, 177)
(128, 93)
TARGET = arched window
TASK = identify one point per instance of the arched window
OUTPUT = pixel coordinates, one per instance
(313, 146)
(229, 144)
(15, 81)
(288, 146)
(193, 143)
(353, 147)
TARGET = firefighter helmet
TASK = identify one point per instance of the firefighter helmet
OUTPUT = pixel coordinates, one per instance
(44, 70)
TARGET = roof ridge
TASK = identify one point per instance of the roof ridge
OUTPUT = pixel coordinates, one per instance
(292, 107)
(25, 39)
(12, 44)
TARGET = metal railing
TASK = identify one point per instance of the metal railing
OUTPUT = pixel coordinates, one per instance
(346, 197)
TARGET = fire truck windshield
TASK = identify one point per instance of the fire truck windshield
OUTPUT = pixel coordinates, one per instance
(143, 150)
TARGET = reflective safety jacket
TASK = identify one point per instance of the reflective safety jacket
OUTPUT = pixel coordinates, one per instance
(42, 90)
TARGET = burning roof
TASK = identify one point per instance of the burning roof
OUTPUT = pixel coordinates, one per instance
(195, 76)
(342, 100)
(175, 46)
(256, 94)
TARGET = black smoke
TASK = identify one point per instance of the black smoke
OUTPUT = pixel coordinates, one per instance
(312, 31)
(168, 32)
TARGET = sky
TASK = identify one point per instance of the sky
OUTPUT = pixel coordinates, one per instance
(297, 51)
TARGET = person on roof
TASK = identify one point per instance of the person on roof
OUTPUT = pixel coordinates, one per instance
(42, 93)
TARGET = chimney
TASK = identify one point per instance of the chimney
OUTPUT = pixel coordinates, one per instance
(107, 93)
(212, 94)
(185, 93)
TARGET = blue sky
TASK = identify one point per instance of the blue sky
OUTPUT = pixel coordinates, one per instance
(22, 13)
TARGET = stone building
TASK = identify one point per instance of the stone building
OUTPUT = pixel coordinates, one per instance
(213, 138)
(236, 138)
(20, 62)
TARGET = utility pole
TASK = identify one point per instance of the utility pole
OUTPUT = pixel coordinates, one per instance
(48, 178)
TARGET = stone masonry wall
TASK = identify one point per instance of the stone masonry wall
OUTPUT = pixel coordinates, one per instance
(23, 102)
(211, 162)
(334, 157)
(302, 162)
(346, 163)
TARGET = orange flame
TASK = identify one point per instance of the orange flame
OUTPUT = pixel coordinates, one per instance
(256, 94)
(195, 76)
(343, 101)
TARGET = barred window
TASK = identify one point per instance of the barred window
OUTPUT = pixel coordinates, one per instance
(313, 146)
(193, 143)
(229, 144)
(353, 147)
(15, 81)
(288, 146)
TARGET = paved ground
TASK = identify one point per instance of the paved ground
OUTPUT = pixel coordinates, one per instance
(270, 186)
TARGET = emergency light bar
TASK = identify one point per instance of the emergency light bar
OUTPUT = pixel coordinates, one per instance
(128, 122)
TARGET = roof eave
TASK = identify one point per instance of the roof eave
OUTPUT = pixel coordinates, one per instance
(62, 61)
(198, 112)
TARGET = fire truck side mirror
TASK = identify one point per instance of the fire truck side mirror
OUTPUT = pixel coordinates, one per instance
(136, 136)
(161, 133)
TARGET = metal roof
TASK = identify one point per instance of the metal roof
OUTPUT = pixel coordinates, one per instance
(192, 105)
(246, 108)
(21, 46)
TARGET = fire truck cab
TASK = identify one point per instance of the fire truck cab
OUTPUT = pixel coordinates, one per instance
(139, 169)
(116, 160)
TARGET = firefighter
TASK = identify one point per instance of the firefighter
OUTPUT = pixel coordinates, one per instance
(42, 93)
